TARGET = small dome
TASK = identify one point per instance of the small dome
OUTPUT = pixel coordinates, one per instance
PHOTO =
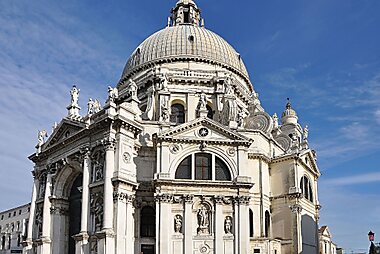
(289, 116)
(184, 42)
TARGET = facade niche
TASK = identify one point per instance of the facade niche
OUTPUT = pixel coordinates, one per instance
(148, 222)
(97, 166)
(177, 114)
(204, 219)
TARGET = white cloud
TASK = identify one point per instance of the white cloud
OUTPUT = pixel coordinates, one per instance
(355, 179)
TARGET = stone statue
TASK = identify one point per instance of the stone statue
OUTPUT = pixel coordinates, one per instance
(164, 82)
(41, 137)
(98, 214)
(165, 114)
(39, 222)
(97, 166)
(178, 223)
(202, 101)
(305, 132)
(240, 118)
(90, 106)
(229, 89)
(203, 220)
(93, 106)
(275, 121)
(113, 93)
(132, 88)
(74, 96)
(228, 225)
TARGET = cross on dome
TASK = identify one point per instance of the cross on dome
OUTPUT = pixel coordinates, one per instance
(186, 12)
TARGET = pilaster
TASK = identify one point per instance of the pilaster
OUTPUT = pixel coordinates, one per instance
(188, 227)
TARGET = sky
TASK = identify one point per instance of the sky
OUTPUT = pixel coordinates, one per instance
(324, 55)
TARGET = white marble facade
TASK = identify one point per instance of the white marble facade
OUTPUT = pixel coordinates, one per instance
(182, 158)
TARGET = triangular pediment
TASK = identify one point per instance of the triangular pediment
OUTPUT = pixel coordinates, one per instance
(204, 130)
(65, 129)
(309, 158)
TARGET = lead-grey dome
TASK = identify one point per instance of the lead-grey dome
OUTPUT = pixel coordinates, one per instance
(184, 42)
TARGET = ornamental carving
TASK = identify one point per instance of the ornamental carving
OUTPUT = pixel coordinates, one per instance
(259, 121)
(123, 197)
(59, 210)
(284, 141)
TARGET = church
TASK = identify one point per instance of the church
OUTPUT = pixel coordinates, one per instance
(181, 159)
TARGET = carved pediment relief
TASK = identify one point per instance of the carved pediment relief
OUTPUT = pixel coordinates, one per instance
(64, 130)
(204, 130)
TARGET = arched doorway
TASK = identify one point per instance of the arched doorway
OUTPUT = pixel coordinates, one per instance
(75, 207)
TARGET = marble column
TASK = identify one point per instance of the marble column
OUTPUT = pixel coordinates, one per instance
(165, 229)
(296, 210)
(188, 225)
(237, 226)
(28, 244)
(82, 244)
(106, 244)
(219, 225)
(244, 224)
(45, 248)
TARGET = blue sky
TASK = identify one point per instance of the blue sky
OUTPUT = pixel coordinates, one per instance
(324, 55)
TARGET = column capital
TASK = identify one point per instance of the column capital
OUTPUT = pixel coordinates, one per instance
(123, 197)
(296, 208)
(109, 144)
(188, 198)
(164, 198)
(244, 200)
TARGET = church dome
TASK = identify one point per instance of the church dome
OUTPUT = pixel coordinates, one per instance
(185, 39)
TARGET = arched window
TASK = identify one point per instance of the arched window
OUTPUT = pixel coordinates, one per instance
(203, 166)
(210, 112)
(148, 222)
(222, 173)
(250, 223)
(267, 224)
(184, 169)
(306, 188)
(177, 114)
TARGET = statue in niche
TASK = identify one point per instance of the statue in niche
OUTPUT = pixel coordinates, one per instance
(240, 118)
(228, 225)
(113, 93)
(97, 166)
(229, 88)
(164, 82)
(202, 101)
(74, 96)
(203, 220)
(39, 222)
(98, 216)
(178, 223)
(165, 114)
(41, 189)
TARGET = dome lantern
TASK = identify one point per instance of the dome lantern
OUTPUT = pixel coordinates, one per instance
(289, 116)
(186, 12)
